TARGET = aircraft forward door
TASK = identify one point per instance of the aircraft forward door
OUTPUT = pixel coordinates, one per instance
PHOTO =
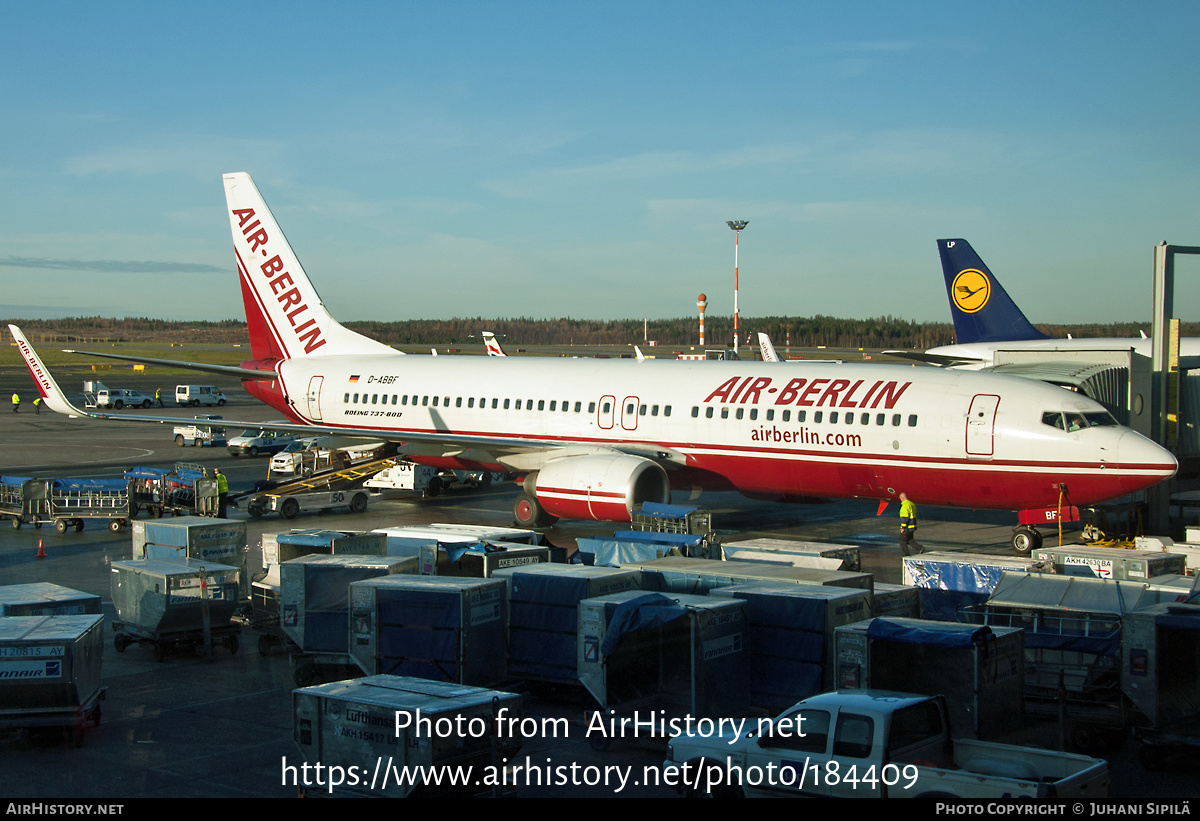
(314, 398)
(981, 425)
(606, 412)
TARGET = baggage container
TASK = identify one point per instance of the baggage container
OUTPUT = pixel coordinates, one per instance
(1073, 633)
(46, 599)
(1112, 563)
(820, 555)
(662, 657)
(163, 602)
(437, 628)
(950, 581)
(980, 670)
(790, 637)
(50, 671)
(895, 600)
(282, 547)
(543, 619)
(697, 577)
(1160, 668)
(194, 538)
(613, 552)
(314, 597)
(353, 724)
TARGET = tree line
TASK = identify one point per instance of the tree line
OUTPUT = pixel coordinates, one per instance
(799, 332)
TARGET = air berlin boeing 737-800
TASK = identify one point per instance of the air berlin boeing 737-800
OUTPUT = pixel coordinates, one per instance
(594, 438)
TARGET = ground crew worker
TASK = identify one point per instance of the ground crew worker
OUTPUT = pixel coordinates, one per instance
(16, 403)
(158, 397)
(908, 526)
(222, 492)
(37, 405)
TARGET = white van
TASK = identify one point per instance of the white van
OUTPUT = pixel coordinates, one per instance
(197, 395)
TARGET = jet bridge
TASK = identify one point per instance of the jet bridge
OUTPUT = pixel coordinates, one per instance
(1117, 378)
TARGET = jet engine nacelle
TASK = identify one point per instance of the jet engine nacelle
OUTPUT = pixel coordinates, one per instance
(605, 487)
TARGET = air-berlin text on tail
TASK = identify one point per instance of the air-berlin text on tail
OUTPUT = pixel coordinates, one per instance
(289, 298)
(809, 393)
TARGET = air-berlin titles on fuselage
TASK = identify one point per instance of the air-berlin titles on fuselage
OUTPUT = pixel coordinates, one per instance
(256, 238)
(833, 393)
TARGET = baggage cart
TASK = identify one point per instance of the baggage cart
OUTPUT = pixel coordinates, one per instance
(24, 499)
(170, 604)
(72, 501)
(1073, 645)
(50, 672)
(185, 490)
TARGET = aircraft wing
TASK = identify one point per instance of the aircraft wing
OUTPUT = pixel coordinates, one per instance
(940, 360)
(222, 370)
(522, 454)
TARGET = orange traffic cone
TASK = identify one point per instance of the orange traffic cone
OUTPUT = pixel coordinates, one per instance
(41, 554)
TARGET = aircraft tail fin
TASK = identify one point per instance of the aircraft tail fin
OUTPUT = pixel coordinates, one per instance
(982, 309)
(766, 348)
(284, 314)
(492, 344)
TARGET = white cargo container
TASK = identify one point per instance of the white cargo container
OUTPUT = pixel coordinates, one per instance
(352, 723)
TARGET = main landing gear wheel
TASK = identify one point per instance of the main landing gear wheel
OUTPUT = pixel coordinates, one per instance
(1025, 540)
(527, 512)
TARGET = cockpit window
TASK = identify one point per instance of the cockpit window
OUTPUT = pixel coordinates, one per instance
(1072, 421)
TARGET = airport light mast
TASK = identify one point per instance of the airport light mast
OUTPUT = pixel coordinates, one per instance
(737, 226)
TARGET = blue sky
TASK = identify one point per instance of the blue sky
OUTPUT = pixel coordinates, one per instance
(581, 158)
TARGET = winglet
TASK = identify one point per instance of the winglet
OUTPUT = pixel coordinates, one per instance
(53, 395)
(766, 348)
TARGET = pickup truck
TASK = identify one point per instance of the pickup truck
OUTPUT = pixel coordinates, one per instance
(195, 435)
(868, 744)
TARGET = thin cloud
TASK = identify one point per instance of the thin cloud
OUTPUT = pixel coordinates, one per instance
(110, 266)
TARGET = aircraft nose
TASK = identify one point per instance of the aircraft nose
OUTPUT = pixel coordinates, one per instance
(1143, 462)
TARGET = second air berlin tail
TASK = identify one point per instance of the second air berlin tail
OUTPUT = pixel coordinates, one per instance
(982, 310)
(284, 314)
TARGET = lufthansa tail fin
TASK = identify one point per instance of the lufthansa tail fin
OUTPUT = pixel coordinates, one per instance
(982, 310)
(284, 314)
